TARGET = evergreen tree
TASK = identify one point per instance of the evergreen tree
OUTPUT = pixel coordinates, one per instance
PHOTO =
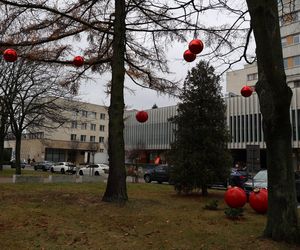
(199, 152)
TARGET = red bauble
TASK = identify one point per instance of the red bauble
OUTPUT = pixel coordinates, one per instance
(141, 116)
(189, 56)
(10, 55)
(78, 61)
(196, 46)
(246, 91)
(258, 200)
(235, 197)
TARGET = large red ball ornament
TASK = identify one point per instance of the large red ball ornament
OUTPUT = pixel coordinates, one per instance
(189, 56)
(246, 91)
(10, 55)
(196, 46)
(141, 116)
(78, 61)
(235, 197)
(258, 200)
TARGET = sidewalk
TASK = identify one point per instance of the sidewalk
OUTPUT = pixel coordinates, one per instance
(129, 179)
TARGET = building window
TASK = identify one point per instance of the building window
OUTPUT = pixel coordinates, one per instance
(101, 139)
(283, 42)
(289, 18)
(101, 127)
(75, 113)
(84, 113)
(73, 137)
(55, 155)
(296, 84)
(296, 39)
(93, 114)
(285, 63)
(102, 116)
(83, 126)
(38, 135)
(74, 124)
(93, 126)
(251, 77)
(92, 138)
(83, 138)
(296, 61)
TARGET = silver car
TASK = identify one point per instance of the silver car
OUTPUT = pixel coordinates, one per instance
(260, 180)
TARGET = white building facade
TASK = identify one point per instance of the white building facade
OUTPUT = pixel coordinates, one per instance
(243, 114)
(82, 140)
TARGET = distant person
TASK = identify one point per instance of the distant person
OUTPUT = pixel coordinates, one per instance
(33, 160)
(28, 161)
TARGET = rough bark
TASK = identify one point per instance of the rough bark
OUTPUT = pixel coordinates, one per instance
(275, 97)
(204, 190)
(18, 154)
(2, 132)
(116, 190)
(2, 138)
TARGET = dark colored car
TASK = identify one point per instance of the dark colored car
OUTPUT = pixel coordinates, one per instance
(44, 165)
(159, 173)
(13, 164)
(236, 178)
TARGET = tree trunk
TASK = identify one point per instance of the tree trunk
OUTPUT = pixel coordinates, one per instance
(204, 190)
(18, 154)
(2, 138)
(2, 131)
(275, 97)
(116, 185)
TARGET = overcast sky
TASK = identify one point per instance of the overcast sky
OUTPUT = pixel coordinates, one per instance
(94, 92)
(142, 98)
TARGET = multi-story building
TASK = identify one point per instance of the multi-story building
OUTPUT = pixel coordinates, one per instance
(83, 139)
(146, 141)
(86, 136)
(243, 114)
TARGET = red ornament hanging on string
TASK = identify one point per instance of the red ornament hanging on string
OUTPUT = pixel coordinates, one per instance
(235, 197)
(10, 55)
(196, 46)
(78, 61)
(246, 91)
(141, 116)
(258, 200)
(189, 56)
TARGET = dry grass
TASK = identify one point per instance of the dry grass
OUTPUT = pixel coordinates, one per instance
(72, 216)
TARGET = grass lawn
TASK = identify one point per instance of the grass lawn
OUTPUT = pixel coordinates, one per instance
(72, 216)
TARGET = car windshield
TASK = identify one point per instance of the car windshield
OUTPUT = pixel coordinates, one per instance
(261, 176)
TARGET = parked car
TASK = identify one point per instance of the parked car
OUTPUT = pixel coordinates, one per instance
(159, 173)
(13, 164)
(105, 167)
(43, 165)
(63, 167)
(260, 180)
(236, 178)
(94, 169)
